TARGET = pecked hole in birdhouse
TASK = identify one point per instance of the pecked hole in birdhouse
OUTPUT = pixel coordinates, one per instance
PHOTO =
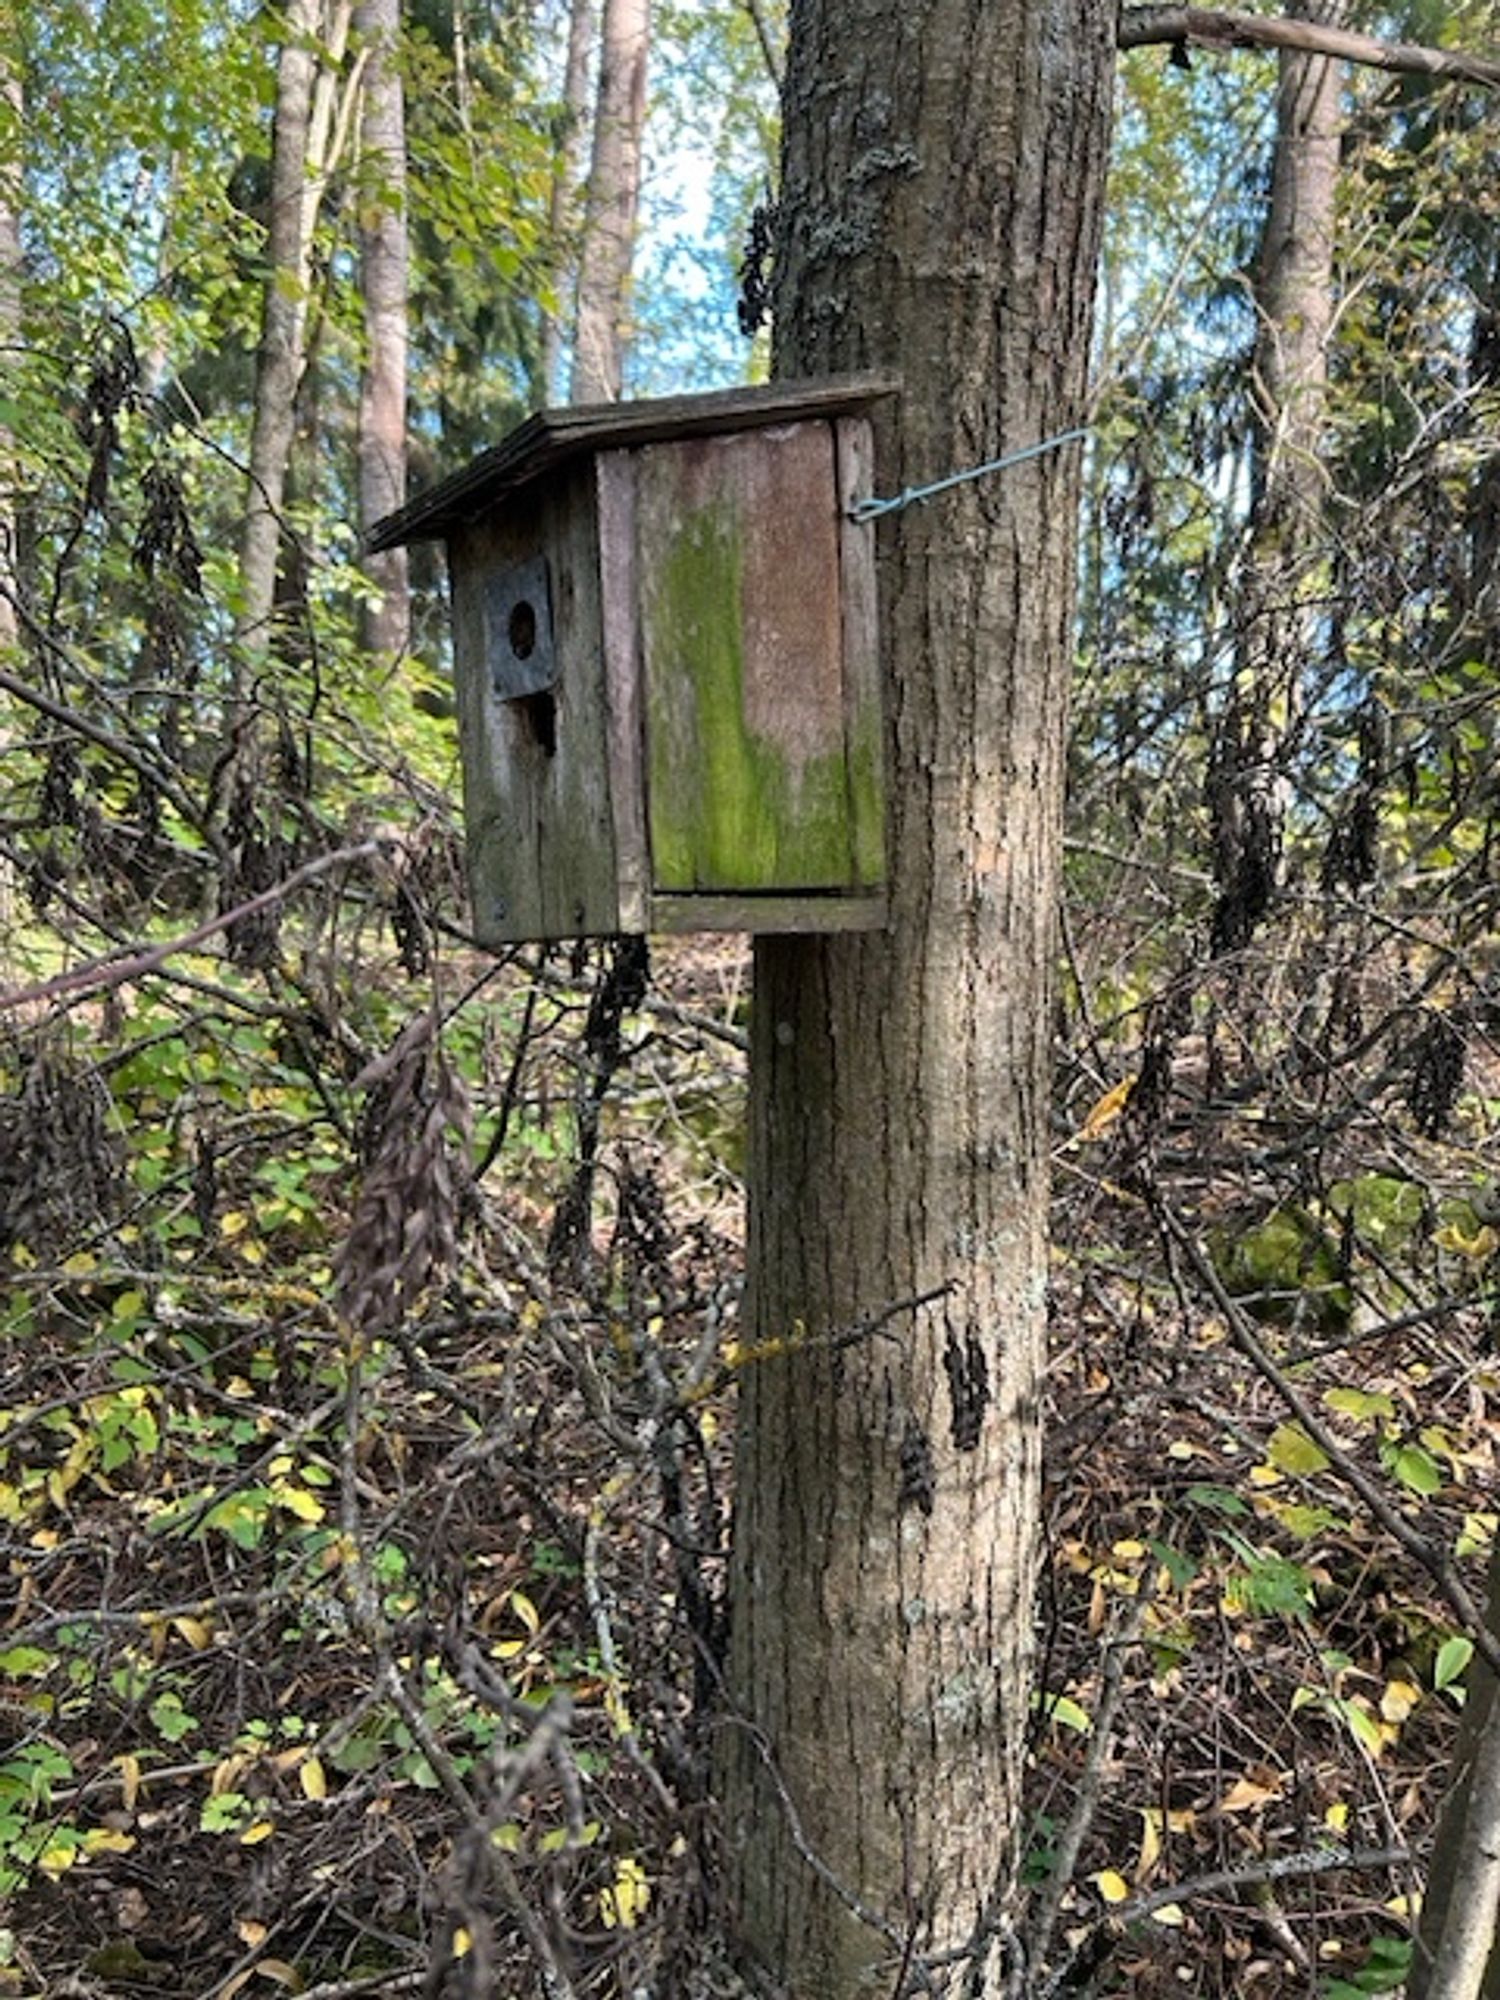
(537, 714)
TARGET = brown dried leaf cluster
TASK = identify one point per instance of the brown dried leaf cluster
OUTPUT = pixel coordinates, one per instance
(403, 1233)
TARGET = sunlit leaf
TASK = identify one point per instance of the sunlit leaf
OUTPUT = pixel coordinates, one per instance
(1111, 1885)
(1453, 1658)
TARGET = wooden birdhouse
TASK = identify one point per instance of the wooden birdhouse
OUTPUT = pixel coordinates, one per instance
(664, 641)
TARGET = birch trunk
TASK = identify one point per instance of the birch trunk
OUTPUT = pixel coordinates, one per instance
(302, 145)
(381, 447)
(12, 127)
(561, 215)
(943, 181)
(1286, 558)
(613, 198)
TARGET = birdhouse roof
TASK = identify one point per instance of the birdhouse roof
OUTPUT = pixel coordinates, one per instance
(552, 437)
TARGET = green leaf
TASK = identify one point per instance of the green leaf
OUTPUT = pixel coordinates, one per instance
(1361, 1404)
(1292, 1451)
(1218, 1499)
(1416, 1468)
(1453, 1658)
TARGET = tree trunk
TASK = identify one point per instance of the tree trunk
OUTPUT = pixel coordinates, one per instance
(302, 144)
(12, 123)
(1287, 545)
(1451, 1887)
(943, 179)
(382, 263)
(561, 217)
(12, 126)
(613, 196)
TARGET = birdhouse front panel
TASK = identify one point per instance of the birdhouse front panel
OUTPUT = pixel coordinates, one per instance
(668, 674)
(529, 671)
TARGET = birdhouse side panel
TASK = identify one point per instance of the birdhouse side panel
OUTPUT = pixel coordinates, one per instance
(755, 781)
(528, 659)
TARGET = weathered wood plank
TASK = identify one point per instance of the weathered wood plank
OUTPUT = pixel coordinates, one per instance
(537, 782)
(742, 662)
(787, 914)
(864, 685)
(625, 723)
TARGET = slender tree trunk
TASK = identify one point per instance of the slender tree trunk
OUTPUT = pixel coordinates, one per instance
(562, 219)
(278, 365)
(613, 197)
(942, 188)
(12, 127)
(1456, 1877)
(382, 250)
(1287, 545)
(305, 136)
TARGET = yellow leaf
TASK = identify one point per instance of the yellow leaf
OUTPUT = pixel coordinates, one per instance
(297, 1500)
(313, 1779)
(235, 1223)
(250, 1932)
(53, 1860)
(1170, 1914)
(197, 1631)
(284, 1974)
(107, 1840)
(525, 1610)
(1451, 1237)
(623, 1905)
(1111, 1885)
(1150, 1852)
(130, 1779)
(257, 1831)
(463, 1943)
(227, 1775)
(1336, 1816)
(1106, 1111)
(1398, 1701)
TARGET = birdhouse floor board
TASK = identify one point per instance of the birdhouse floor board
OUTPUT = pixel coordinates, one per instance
(784, 914)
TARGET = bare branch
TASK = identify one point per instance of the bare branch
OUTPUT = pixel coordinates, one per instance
(1207, 27)
(107, 972)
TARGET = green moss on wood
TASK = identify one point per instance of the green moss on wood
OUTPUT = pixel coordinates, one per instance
(731, 807)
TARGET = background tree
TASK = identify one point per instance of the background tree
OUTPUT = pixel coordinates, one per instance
(604, 263)
(383, 284)
(940, 205)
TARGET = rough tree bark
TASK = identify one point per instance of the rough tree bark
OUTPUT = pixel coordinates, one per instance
(381, 448)
(613, 197)
(561, 218)
(943, 177)
(1287, 545)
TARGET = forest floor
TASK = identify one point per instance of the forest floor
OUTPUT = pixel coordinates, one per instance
(337, 1668)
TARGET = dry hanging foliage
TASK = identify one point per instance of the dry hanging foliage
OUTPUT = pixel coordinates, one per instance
(403, 1235)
